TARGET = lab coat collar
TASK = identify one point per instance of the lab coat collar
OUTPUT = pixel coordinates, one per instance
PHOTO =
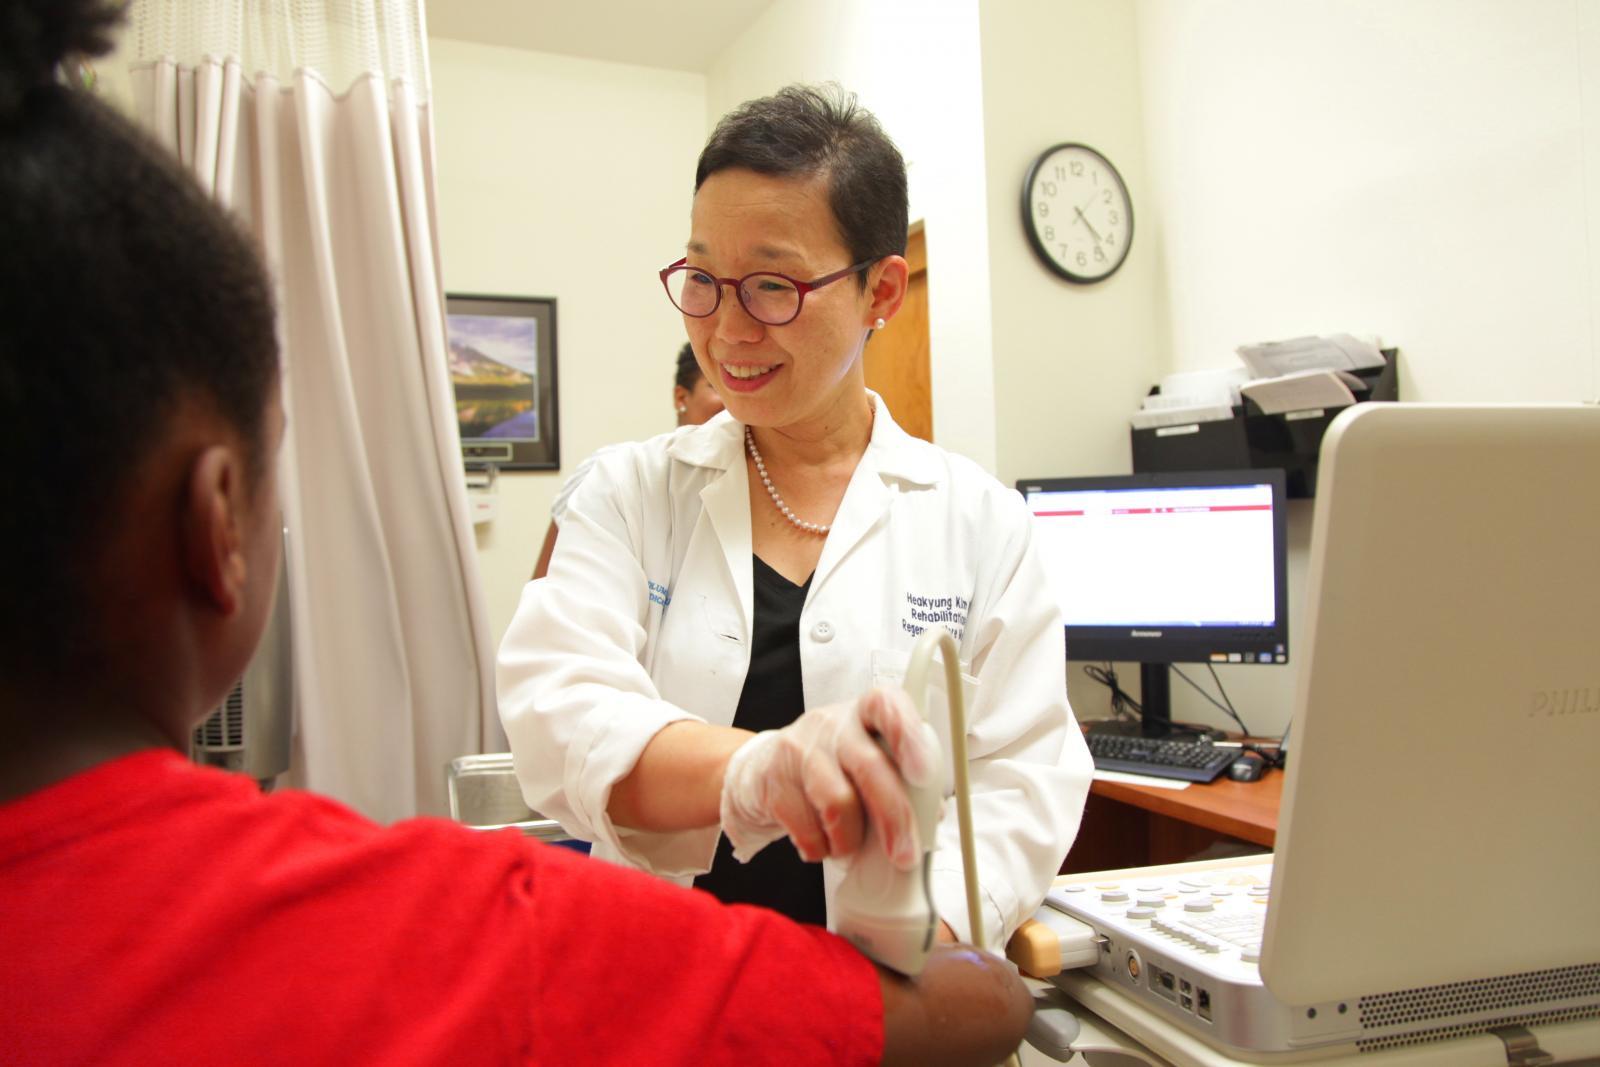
(897, 454)
(894, 461)
(891, 452)
(717, 443)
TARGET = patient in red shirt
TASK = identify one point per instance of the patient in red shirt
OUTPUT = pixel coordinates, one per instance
(152, 911)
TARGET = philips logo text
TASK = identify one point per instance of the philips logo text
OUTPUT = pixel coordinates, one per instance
(1552, 703)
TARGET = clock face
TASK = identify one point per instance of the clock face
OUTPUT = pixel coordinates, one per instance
(1077, 213)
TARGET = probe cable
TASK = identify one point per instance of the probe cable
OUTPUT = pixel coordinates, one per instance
(916, 684)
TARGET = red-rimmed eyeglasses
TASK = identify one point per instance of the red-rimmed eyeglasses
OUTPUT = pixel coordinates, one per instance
(769, 297)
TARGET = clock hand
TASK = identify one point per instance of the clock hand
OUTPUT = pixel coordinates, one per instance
(1085, 221)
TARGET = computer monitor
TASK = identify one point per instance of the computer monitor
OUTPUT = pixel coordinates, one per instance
(1163, 568)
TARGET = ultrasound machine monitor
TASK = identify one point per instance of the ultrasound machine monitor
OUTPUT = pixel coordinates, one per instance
(1162, 568)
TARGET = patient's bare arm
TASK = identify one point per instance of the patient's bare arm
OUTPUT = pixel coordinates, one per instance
(966, 1007)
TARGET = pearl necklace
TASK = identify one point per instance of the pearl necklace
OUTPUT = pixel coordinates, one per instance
(761, 469)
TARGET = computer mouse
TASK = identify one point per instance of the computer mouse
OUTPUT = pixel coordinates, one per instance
(1249, 767)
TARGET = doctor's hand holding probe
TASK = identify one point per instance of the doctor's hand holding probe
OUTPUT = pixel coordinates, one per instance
(705, 686)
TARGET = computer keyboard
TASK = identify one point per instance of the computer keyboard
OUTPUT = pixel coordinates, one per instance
(1189, 761)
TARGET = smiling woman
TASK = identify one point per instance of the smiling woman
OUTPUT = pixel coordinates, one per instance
(692, 687)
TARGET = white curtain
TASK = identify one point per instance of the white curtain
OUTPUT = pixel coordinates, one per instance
(311, 120)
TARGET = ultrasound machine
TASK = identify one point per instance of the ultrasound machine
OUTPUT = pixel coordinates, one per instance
(1434, 894)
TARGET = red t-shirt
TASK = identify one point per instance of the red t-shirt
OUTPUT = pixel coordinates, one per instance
(152, 911)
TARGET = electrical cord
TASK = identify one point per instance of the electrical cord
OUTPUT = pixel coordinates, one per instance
(1224, 694)
(1276, 755)
(1123, 706)
(1226, 708)
(936, 637)
(1127, 709)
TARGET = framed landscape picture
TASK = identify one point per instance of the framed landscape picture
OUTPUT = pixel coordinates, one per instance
(503, 368)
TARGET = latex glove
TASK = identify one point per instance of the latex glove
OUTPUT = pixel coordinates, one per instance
(821, 777)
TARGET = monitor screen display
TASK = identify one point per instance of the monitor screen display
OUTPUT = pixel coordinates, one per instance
(1171, 567)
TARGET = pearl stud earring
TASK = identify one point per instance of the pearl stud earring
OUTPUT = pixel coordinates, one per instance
(683, 409)
(878, 325)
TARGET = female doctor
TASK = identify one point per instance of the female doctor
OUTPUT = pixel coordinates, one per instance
(697, 685)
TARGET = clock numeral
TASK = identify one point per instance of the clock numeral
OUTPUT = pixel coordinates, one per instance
(1077, 168)
(1063, 251)
(1042, 210)
(1106, 195)
(1094, 177)
(1113, 217)
(1099, 254)
(1061, 173)
(1048, 188)
(1110, 238)
(1049, 234)
(1083, 260)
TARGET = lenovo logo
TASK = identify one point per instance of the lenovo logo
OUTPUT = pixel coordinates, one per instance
(1145, 633)
(1552, 703)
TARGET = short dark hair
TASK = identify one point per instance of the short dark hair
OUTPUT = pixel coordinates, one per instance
(688, 368)
(125, 292)
(803, 131)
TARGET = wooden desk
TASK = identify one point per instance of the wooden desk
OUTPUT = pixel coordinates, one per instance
(1139, 826)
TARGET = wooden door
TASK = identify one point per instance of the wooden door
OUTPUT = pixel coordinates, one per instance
(897, 355)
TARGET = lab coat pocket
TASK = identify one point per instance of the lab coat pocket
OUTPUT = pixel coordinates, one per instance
(720, 653)
(723, 625)
(699, 663)
(889, 668)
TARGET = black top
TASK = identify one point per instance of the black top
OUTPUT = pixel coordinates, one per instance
(773, 697)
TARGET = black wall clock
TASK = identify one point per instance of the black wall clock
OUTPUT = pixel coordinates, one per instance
(1077, 213)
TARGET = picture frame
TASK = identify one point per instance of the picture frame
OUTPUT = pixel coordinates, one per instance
(502, 352)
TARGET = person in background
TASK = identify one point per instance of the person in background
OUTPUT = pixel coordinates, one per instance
(695, 401)
(695, 398)
(158, 912)
(700, 685)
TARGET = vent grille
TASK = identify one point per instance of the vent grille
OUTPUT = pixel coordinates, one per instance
(1480, 995)
(223, 729)
(1561, 1015)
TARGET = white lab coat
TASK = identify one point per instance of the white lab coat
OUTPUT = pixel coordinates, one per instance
(645, 619)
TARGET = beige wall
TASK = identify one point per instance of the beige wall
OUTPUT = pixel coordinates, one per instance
(1416, 170)
(567, 178)
(1070, 361)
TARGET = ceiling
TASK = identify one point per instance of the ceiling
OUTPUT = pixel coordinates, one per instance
(677, 35)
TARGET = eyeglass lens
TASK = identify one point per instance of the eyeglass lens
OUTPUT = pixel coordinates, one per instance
(769, 298)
